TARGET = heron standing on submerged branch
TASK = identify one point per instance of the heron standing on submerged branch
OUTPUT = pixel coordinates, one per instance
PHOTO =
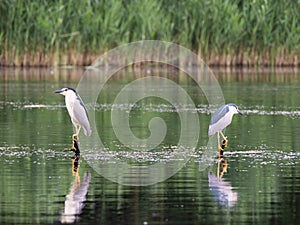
(76, 110)
(220, 120)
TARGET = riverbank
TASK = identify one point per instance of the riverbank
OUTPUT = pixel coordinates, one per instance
(222, 33)
(74, 74)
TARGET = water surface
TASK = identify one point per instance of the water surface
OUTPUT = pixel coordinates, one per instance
(39, 184)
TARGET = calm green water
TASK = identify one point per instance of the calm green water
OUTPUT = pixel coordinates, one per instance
(39, 186)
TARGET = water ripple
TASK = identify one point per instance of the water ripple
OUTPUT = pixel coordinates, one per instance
(293, 112)
(272, 112)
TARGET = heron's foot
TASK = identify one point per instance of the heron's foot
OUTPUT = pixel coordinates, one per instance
(74, 137)
(224, 143)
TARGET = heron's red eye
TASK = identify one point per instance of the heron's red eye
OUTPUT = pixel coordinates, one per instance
(66, 89)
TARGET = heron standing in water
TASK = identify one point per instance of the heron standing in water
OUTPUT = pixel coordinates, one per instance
(76, 110)
(220, 120)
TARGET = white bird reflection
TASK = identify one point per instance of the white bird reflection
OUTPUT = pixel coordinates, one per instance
(75, 199)
(222, 190)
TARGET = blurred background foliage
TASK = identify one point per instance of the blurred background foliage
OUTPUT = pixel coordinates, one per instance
(222, 32)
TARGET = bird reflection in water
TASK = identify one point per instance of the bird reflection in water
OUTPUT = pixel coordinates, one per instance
(222, 190)
(77, 195)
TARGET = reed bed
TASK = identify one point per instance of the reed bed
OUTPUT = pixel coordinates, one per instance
(221, 32)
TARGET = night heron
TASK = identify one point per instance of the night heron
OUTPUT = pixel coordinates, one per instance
(221, 119)
(77, 111)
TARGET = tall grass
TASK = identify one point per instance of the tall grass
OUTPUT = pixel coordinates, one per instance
(222, 32)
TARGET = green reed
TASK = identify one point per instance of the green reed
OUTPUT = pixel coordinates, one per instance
(222, 32)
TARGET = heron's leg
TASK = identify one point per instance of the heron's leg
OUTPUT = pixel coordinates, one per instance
(74, 137)
(219, 146)
(77, 130)
(225, 141)
(222, 135)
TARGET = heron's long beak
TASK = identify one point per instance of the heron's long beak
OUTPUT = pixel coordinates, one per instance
(240, 112)
(58, 91)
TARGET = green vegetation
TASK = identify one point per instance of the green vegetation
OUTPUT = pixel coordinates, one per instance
(222, 32)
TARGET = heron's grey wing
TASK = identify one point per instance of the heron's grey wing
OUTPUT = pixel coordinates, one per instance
(81, 115)
(218, 114)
